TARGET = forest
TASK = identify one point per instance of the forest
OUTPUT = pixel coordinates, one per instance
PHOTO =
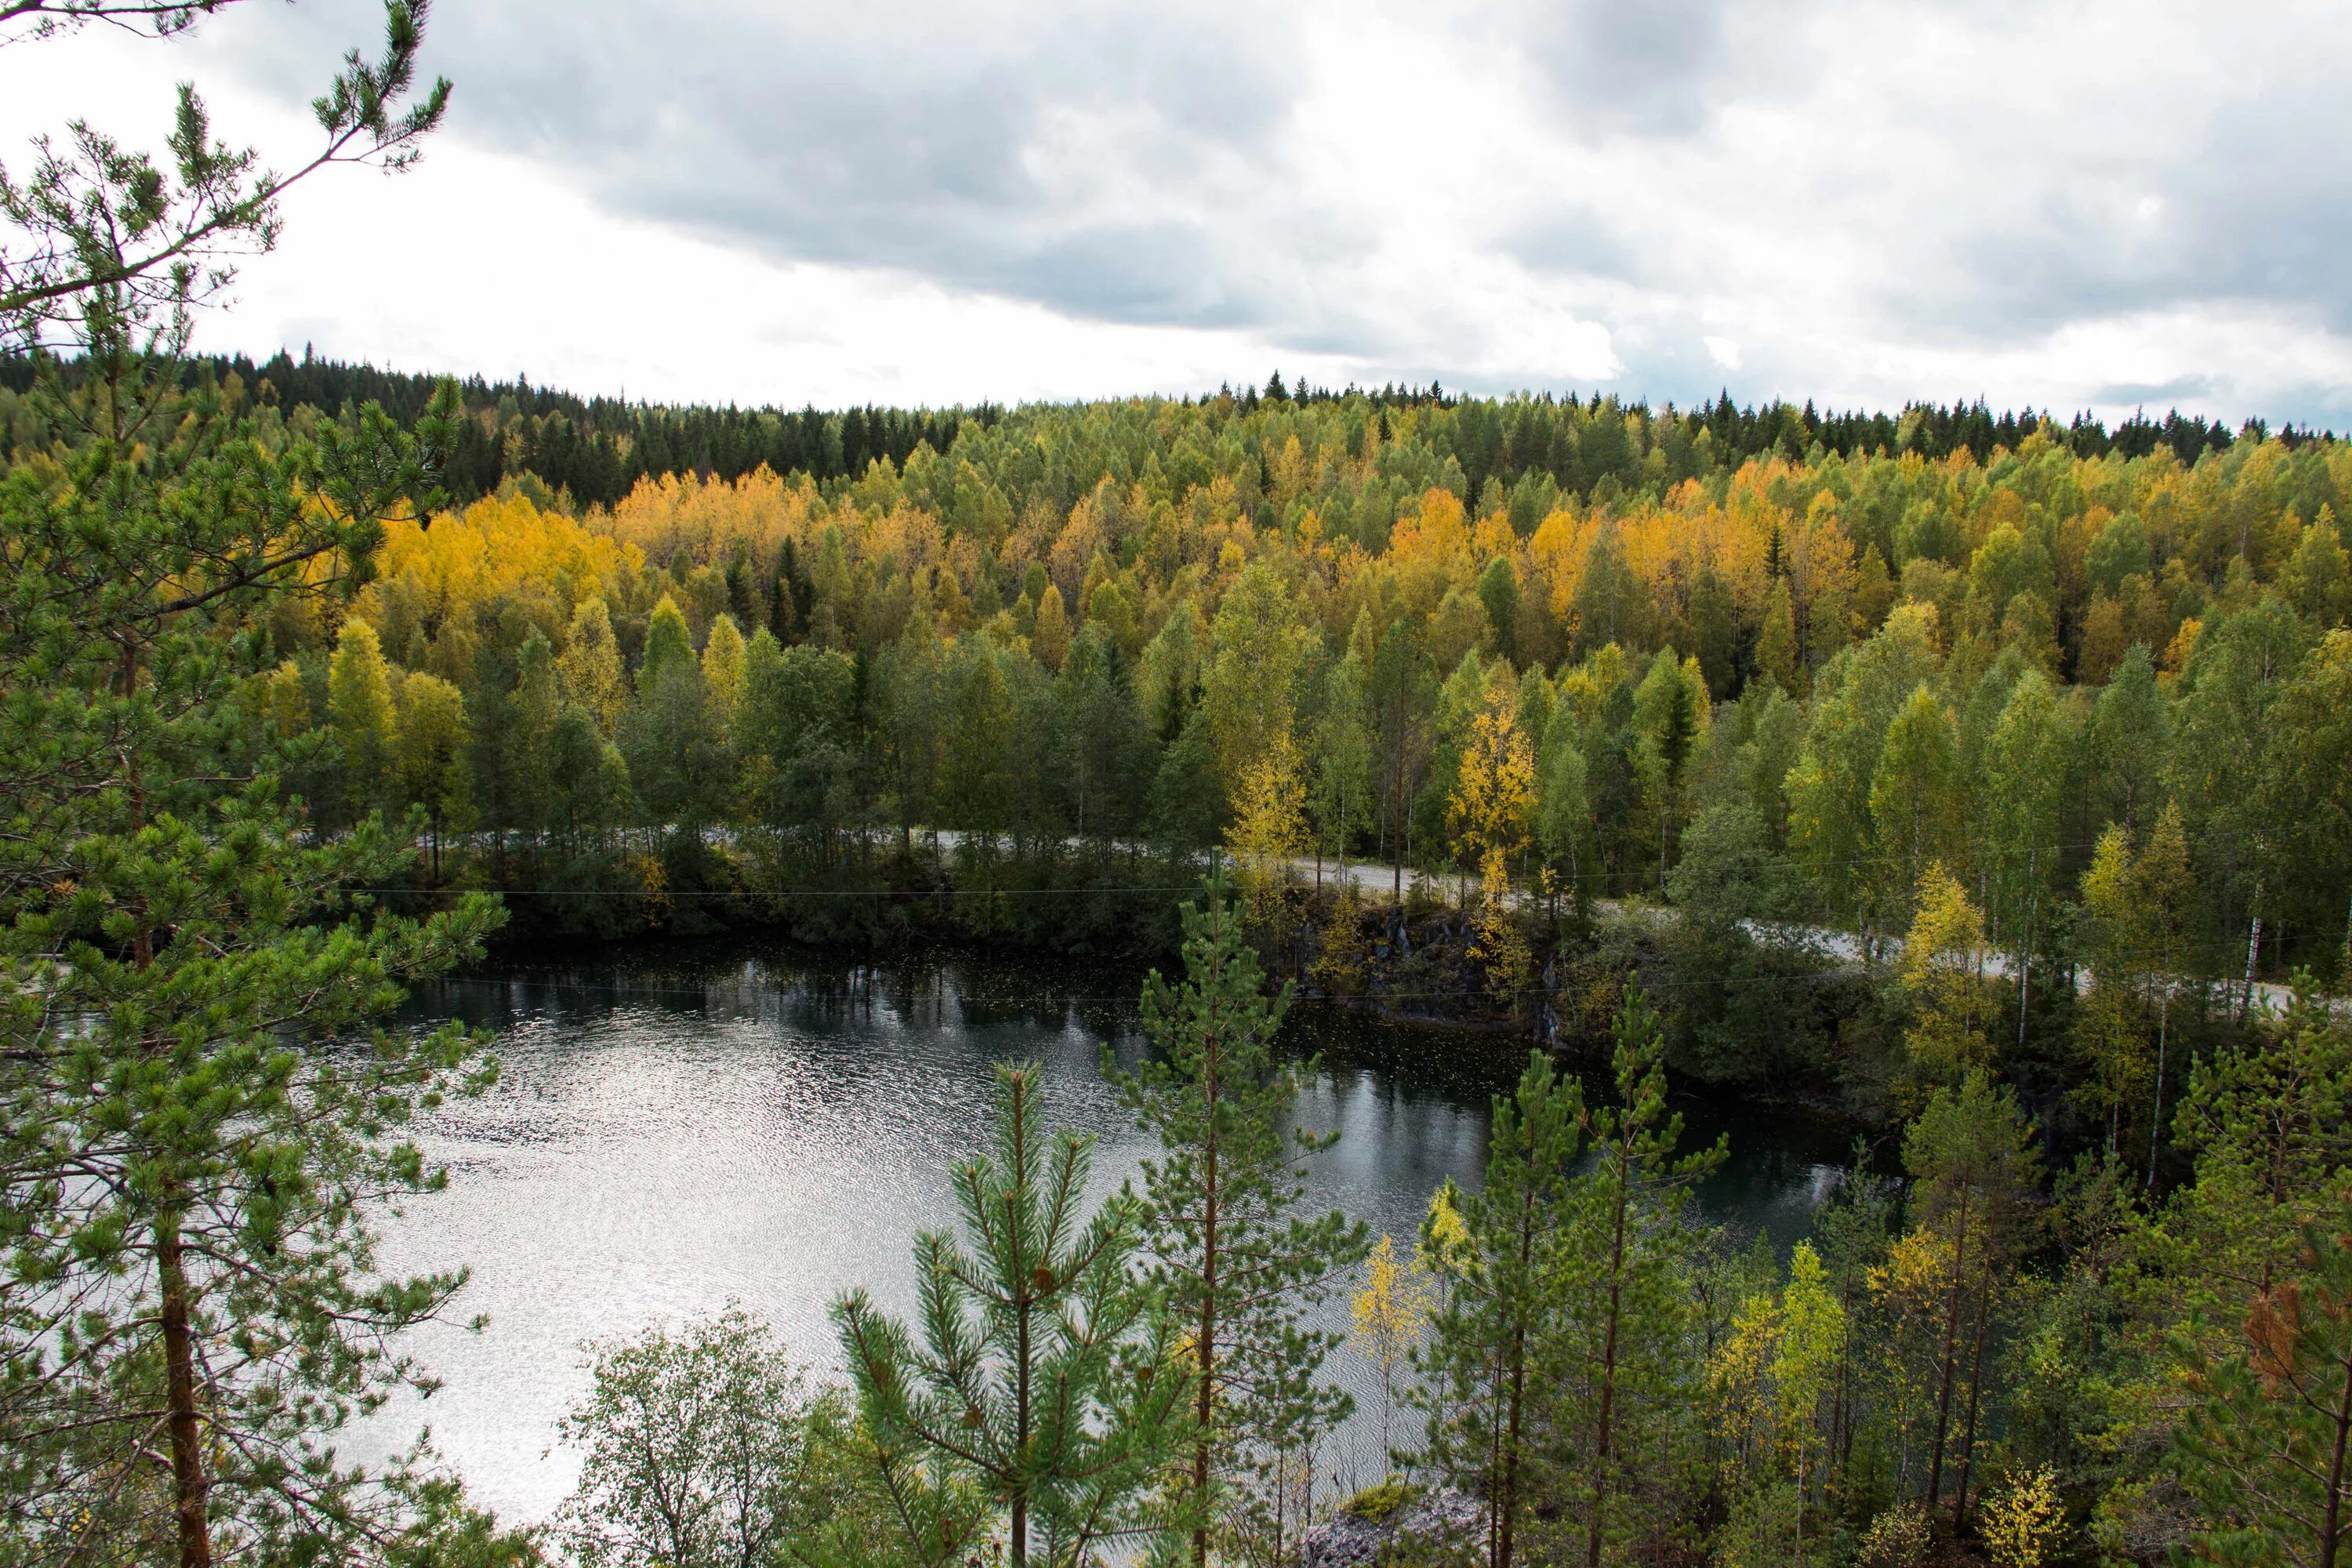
(2000, 801)
(1982, 782)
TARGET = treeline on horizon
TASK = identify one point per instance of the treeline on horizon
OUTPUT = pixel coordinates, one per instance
(597, 448)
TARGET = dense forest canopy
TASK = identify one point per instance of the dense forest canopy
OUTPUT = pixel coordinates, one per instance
(1089, 621)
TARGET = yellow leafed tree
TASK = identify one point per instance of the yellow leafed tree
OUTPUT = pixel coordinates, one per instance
(1388, 1315)
(1942, 972)
(591, 665)
(1269, 825)
(1493, 795)
(1492, 806)
(722, 671)
(2024, 1522)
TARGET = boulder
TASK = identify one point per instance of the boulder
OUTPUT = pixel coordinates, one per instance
(1351, 1541)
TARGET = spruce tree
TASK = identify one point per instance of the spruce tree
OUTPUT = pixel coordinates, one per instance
(1241, 1265)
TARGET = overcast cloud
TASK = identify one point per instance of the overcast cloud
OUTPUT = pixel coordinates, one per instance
(2089, 205)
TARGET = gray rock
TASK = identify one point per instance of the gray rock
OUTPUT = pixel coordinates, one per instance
(1345, 1541)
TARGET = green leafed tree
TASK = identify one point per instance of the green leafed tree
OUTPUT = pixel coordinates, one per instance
(703, 1447)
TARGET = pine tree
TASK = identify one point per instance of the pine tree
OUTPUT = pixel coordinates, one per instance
(195, 1153)
(2264, 1445)
(1619, 1272)
(1972, 1157)
(1242, 1268)
(1048, 1383)
(1490, 1338)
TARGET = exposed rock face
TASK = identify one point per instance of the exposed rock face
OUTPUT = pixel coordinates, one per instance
(1347, 1540)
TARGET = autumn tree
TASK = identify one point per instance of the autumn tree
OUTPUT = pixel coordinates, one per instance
(1388, 1315)
(431, 757)
(1941, 973)
(1492, 806)
(360, 707)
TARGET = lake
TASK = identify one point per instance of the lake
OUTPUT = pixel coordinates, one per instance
(681, 1126)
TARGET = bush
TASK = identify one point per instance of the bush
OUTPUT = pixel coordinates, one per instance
(1381, 1500)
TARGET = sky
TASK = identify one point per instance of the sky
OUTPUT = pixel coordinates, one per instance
(2083, 205)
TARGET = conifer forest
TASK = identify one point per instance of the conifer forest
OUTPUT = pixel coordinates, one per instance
(1979, 780)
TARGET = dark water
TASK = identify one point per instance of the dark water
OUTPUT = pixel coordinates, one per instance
(683, 1127)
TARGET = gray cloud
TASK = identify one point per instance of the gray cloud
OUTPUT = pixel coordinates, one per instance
(1643, 70)
(1092, 161)
(1142, 165)
(2180, 391)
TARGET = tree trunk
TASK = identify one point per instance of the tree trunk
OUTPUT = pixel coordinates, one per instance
(188, 1479)
(2253, 952)
(2156, 1114)
(2025, 958)
(1022, 1308)
(1396, 825)
(2331, 1528)
(1950, 1348)
(1205, 1349)
(1604, 1436)
(1976, 1385)
(1509, 1488)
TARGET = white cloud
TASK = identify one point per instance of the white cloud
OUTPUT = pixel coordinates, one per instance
(1850, 202)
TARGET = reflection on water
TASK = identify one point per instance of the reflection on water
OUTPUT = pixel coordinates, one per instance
(686, 1126)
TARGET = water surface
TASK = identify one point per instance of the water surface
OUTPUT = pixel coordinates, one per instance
(691, 1125)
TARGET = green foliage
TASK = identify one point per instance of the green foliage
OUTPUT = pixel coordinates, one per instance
(702, 1448)
(1048, 1380)
(2262, 1447)
(1239, 1268)
(1479, 1373)
(1380, 1501)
